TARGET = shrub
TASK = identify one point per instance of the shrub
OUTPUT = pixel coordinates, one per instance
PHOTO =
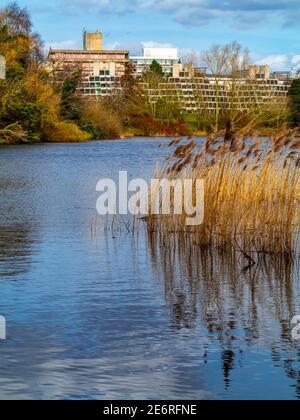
(13, 133)
(150, 126)
(62, 131)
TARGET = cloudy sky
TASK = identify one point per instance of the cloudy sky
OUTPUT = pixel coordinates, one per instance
(269, 28)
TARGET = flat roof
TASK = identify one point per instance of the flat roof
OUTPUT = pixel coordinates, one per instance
(153, 58)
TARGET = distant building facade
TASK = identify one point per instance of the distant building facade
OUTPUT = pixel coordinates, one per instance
(166, 57)
(195, 91)
(282, 75)
(101, 69)
(191, 88)
(256, 72)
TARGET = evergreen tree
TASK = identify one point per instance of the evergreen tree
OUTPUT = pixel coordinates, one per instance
(70, 104)
(156, 68)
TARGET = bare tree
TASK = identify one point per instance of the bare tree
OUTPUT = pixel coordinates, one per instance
(191, 58)
(37, 50)
(216, 61)
(229, 61)
(16, 19)
(238, 72)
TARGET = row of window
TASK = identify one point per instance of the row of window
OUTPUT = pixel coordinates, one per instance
(102, 79)
(200, 80)
(99, 85)
(224, 89)
(97, 92)
(104, 73)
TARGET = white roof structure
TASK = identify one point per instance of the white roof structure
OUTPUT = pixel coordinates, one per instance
(161, 53)
(166, 57)
(2, 67)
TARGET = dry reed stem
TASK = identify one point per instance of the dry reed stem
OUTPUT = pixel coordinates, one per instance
(252, 192)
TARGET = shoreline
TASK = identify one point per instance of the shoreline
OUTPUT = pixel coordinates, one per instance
(127, 136)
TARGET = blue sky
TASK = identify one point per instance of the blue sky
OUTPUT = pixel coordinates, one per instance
(269, 28)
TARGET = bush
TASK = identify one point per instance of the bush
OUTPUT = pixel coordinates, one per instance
(13, 133)
(100, 122)
(29, 117)
(62, 131)
(150, 126)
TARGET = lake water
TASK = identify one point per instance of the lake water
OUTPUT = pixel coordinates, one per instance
(105, 316)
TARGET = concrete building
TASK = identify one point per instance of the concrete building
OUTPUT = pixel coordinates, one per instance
(282, 75)
(183, 70)
(92, 41)
(194, 92)
(259, 72)
(166, 57)
(2, 67)
(101, 69)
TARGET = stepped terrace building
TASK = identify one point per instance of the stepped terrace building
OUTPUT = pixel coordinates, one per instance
(101, 69)
(194, 90)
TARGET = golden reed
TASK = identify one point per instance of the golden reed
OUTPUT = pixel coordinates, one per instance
(252, 192)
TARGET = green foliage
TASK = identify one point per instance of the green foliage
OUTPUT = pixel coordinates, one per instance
(28, 114)
(70, 106)
(168, 110)
(30, 110)
(154, 76)
(156, 68)
(29, 117)
(95, 132)
(204, 121)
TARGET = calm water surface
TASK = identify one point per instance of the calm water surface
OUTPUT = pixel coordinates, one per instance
(109, 317)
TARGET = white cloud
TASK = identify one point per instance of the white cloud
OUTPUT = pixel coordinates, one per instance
(244, 13)
(276, 62)
(295, 59)
(153, 44)
(280, 61)
(113, 46)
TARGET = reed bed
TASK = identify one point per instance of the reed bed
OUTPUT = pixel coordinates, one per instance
(252, 192)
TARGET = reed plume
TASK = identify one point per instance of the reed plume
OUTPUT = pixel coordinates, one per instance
(252, 192)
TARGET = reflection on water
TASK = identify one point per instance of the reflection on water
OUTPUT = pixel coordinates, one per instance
(95, 316)
(240, 308)
(15, 250)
